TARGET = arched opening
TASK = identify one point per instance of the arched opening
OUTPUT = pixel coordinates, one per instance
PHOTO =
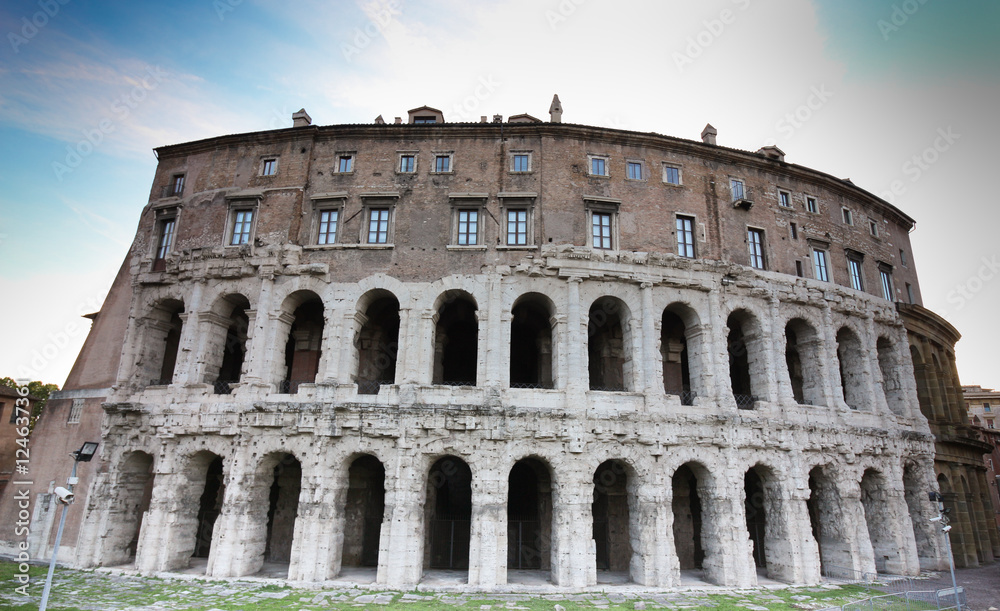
(456, 341)
(891, 367)
(126, 514)
(767, 523)
(234, 342)
(277, 486)
(609, 354)
(611, 519)
(676, 363)
(162, 342)
(209, 502)
(686, 506)
(529, 517)
(747, 367)
(826, 518)
(304, 346)
(851, 360)
(377, 343)
(756, 515)
(879, 520)
(923, 390)
(363, 512)
(915, 494)
(803, 362)
(448, 514)
(531, 343)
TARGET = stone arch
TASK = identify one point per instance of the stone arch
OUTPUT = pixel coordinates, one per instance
(532, 345)
(206, 490)
(695, 507)
(890, 364)
(851, 361)
(364, 512)
(456, 339)
(161, 341)
(448, 514)
(683, 352)
(879, 520)
(609, 345)
(272, 494)
(613, 512)
(923, 389)
(226, 328)
(747, 358)
(767, 513)
(803, 361)
(132, 491)
(529, 515)
(376, 340)
(827, 519)
(301, 323)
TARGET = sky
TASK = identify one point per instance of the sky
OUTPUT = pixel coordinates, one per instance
(900, 96)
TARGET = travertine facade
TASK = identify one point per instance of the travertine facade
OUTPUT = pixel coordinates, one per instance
(511, 346)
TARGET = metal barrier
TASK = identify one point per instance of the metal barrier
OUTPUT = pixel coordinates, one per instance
(899, 596)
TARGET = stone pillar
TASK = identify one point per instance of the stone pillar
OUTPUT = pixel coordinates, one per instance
(779, 379)
(319, 527)
(653, 386)
(188, 350)
(654, 561)
(492, 347)
(403, 345)
(716, 354)
(728, 554)
(488, 538)
(343, 367)
(856, 528)
(875, 385)
(835, 387)
(576, 349)
(574, 552)
(168, 535)
(401, 546)
(805, 560)
(260, 337)
(422, 367)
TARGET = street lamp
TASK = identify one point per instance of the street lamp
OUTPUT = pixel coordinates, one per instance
(946, 529)
(66, 496)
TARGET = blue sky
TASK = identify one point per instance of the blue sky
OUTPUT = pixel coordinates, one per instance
(90, 87)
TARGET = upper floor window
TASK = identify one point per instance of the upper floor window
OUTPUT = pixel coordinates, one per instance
(811, 205)
(793, 229)
(873, 227)
(328, 224)
(848, 216)
(378, 225)
(671, 174)
(784, 199)
(987, 408)
(909, 293)
(633, 170)
(345, 164)
(165, 241)
(601, 230)
(755, 241)
(242, 225)
(468, 227)
(407, 163)
(902, 257)
(176, 186)
(424, 119)
(269, 166)
(887, 290)
(685, 236)
(857, 276)
(820, 265)
(442, 164)
(520, 162)
(517, 227)
(598, 166)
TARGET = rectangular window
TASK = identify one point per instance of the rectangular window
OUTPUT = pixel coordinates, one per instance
(424, 119)
(468, 227)
(811, 205)
(755, 240)
(2, 405)
(269, 167)
(378, 226)
(794, 230)
(685, 236)
(633, 170)
(75, 411)
(598, 166)
(407, 163)
(517, 227)
(798, 269)
(819, 263)
(521, 163)
(738, 189)
(857, 278)
(13, 413)
(848, 217)
(989, 423)
(442, 163)
(909, 293)
(601, 230)
(242, 222)
(785, 199)
(166, 239)
(902, 257)
(177, 185)
(873, 227)
(986, 407)
(887, 291)
(671, 175)
(328, 221)
(346, 164)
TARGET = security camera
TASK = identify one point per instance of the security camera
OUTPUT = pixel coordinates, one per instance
(936, 519)
(65, 496)
(946, 528)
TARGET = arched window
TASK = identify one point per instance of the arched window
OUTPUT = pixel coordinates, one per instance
(851, 360)
(377, 342)
(456, 340)
(608, 346)
(803, 362)
(304, 346)
(531, 349)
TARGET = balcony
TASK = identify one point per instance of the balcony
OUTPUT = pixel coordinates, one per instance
(742, 196)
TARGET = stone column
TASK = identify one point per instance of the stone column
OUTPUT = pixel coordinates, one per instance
(576, 349)
(401, 546)
(653, 386)
(491, 344)
(488, 538)
(260, 337)
(835, 387)
(728, 557)
(716, 354)
(654, 561)
(875, 384)
(779, 379)
(574, 552)
(188, 349)
(805, 561)
(403, 344)
(343, 367)
(858, 542)
(319, 526)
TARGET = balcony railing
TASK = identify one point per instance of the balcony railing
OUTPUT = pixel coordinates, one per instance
(745, 401)
(171, 190)
(742, 197)
(224, 387)
(369, 387)
(687, 396)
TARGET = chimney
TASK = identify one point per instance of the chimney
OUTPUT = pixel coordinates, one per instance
(399, 121)
(301, 118)
(379, 120)
(498, 118)
(555, 110)
(708, 134)
(772, 152)
(483, 119)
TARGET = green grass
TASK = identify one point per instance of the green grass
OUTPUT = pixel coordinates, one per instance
(84, 590)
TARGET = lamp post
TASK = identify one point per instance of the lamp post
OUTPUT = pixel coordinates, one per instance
(946, 529)
(65, 495)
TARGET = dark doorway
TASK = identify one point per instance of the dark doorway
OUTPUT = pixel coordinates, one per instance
(378, 344)
(171, 346)
(673, 349)
(448, 511)
(529, 516)
(611, 517)
(209, 508)
(456, 342)
(687, 519)
(304, 346)
(753, 502)
(531, 344)
(606, 346)
(739, 364)
(283, 507)
(364, 512)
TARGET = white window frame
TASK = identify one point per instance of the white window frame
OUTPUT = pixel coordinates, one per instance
(517, 202)
(732, 189)
(378, 201)
(399, 162)
(451, 163)
(464, 203)
(686, 249)
(351, 157)
(605, 206)
(607, 166)
(629, 163)
(369, 220)
(269, 162)
(888, 288)
(873, 227)
(762, 246)
(513, 162)
(812, 204)
(856, 273)
(847, 216)
(235, 220)
(821, 264)
(784, 196)
(164, 244)
(331, 203)
(680, 176)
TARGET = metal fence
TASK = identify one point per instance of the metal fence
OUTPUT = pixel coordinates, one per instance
(899, 595)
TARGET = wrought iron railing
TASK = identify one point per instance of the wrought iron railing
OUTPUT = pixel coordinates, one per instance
(745, 401)
(687, 397)
(611, 388)
(457, 383)
(224, 387)
(530, 385)
(368, 387)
